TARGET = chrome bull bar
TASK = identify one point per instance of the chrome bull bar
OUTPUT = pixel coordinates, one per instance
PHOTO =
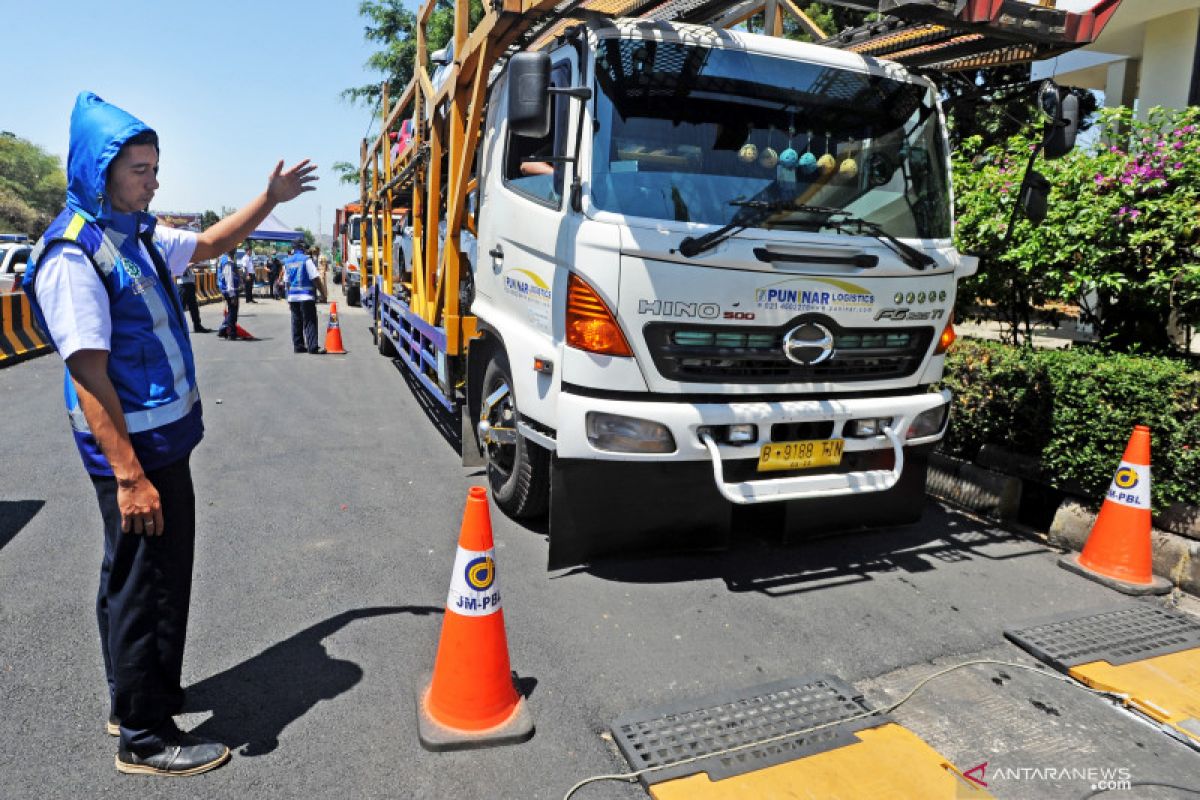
(807, 487)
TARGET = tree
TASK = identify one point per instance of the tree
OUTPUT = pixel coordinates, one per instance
(32, 186)
(346, 172)
(1121, 238)
(393, 26)
(208, 219)
(309, 239)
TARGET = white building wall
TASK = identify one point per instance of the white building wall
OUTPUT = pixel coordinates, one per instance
(1168, 54)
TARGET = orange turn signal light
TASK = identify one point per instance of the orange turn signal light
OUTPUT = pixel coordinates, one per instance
(590, 325)
(947, 338)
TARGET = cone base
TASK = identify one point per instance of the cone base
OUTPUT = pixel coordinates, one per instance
(437, 737)
(1156, 585)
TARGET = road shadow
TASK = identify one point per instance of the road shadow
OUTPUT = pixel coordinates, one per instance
(15, 515)
(943, 538)
(254, 701)
(446, 424)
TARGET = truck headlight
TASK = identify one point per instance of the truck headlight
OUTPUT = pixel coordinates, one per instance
(628, 434)
(867, 428)
(928, 422)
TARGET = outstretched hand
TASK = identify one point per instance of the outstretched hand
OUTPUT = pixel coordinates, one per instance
(283, 186)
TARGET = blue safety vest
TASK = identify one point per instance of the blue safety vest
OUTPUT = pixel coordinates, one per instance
(234, 272)
(300, 286)
(150, 361)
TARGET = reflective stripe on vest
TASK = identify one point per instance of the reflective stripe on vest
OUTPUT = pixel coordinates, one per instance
(149, 339)
(300, 285)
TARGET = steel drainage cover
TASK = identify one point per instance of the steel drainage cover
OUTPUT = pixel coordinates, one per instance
(1118, 636)
(702, 727)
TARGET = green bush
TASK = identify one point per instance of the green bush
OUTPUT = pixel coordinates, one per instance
(1073, 410)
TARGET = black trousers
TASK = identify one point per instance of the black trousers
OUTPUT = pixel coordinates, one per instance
(187, 295)
(249, 287)
(142, 608)
(231, 307)
(304, 326)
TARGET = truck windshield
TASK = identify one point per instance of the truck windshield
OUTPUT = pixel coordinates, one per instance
(687, 131)
(357, 230)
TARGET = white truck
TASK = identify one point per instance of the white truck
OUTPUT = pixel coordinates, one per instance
(712, 289)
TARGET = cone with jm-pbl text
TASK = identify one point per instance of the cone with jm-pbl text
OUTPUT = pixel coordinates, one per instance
(470, 700)
(1118, 550)
(333, 334)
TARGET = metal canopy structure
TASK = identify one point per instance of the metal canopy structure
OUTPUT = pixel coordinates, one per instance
(426, 319)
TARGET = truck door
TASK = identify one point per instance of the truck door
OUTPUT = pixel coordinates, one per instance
(525, 229)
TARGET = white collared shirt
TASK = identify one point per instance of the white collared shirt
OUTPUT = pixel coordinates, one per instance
(73, 299)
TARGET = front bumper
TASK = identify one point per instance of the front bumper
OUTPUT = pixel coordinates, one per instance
(685, 419)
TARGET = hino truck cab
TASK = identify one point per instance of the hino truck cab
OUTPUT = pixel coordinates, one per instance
(715, 271)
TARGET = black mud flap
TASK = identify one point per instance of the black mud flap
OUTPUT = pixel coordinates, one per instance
(600, 508)
(903, 504)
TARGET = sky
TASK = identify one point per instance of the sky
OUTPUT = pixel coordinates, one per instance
(231, 88)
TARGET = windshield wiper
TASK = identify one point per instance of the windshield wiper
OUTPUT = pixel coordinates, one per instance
(751, 213)
(911, 255)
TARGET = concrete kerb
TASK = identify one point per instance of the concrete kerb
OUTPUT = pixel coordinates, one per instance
(997, 496)
(1174, 557)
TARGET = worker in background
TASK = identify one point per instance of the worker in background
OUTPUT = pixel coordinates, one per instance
(323, 268)
(229, 283)
(247, 265)
(274, 276)
(187, 295)
(100, 283)
(302, 279)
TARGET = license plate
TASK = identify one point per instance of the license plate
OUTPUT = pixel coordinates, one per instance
(801, 455)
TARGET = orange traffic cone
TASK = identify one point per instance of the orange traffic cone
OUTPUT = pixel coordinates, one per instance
(333, 334)
(1117, 552)
(470, 700)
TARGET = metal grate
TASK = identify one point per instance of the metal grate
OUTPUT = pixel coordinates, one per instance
(1118, 636)
(729, 354)
(667, 734)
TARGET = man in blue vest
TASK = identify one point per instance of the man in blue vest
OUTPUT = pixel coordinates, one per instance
(229, 284)
(100, 281)
(302, 278)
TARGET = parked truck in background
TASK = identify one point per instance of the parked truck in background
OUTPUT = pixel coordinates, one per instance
(356, 236)
(712, 274)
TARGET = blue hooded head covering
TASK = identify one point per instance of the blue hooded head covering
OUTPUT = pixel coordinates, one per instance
(98, 132)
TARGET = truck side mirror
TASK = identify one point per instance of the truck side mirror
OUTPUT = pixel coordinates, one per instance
(1061, 110)
(1035, 193)
(528, 95)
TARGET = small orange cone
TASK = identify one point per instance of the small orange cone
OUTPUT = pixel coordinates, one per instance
(470, 700)
(1118, 552)
(333, 334)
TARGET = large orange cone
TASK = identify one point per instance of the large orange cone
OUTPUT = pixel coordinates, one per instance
(333, 334)
(471, 701)
(1118, 552)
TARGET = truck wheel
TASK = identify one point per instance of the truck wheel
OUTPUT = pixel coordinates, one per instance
(518, 470)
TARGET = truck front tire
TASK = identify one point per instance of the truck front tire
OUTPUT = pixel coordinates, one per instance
(518, 473)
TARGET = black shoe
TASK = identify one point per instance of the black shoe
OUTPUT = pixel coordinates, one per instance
(320, 351)
(202, 329)
(186, 755)
(299, 350)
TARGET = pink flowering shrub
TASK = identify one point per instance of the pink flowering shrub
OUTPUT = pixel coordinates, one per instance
(1123, 223)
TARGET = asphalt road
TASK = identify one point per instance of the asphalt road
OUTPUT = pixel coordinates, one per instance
(328, 512)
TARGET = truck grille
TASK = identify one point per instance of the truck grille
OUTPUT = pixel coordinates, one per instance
(727, 354)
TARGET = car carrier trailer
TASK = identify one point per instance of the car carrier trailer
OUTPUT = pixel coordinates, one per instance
(675, 278)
